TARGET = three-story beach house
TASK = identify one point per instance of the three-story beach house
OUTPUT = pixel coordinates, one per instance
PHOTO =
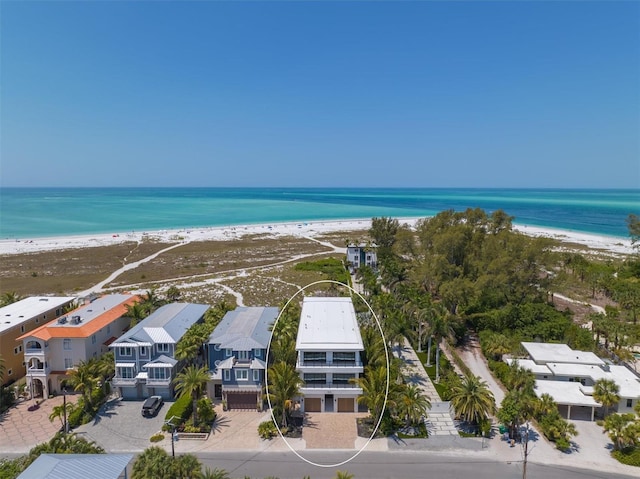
(145, 355)
(361, 255)
(19, 318)
(329, 347)
(238, 355)
(84, 333)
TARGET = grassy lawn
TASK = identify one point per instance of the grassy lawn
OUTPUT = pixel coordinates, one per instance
(431, 371)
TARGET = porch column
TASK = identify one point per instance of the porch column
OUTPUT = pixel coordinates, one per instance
(569, 411)
(593, 411)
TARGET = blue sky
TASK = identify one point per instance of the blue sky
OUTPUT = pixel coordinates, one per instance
(433, 94)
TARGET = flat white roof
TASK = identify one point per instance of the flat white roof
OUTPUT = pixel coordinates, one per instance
(17, 313)
(328, 324)
(560, 353)
(565, 392)
(530, 365)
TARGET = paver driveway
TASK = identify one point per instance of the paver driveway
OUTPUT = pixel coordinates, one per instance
(330, 430)
(21, 429)
(120, 427)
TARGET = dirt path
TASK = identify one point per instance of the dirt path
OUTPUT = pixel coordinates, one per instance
(472, 356)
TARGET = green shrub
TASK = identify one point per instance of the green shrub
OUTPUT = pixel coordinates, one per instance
(157, 437)
(267, 430)
(562, 444)
(181, 409)
(629, 456)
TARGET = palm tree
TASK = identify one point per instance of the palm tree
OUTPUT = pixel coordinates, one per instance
(191, 381)
(136, 312)
(82, 379)
(374, 391)
(284, 384)
(9, 297)
(151, 301)
(496, 345)
(412, 405)
(441, 328)
(59, 412)
(153, 463)
(186, 466)
(173, 294)
(472, 399)
(616, 425)
(546, 405)
(215, 474)
(606, 392)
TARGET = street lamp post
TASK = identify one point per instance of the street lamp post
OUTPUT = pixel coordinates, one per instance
(64, 409)
(173, 433)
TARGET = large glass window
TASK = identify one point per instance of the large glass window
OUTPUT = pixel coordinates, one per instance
(66, 344)
(126, 373)
(124, 351)
(242, 374)
(315, 357)
(162, 347)
(315, 378)
(339, 378)
(339, 357)
(68, 363)
(243, 355)
(256, 375)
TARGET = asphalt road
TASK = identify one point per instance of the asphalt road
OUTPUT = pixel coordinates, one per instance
(383, 465)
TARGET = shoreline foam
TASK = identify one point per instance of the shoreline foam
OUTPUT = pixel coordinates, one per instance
(310, 228)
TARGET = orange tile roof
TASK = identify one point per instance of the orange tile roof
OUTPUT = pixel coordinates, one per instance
(45, 332)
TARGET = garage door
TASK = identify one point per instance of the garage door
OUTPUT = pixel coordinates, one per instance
(345, 404)
(242, 401)
(312, 405)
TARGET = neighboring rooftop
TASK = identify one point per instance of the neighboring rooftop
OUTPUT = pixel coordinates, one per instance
(17, 313)
(78, 466)
(328, 324)
(85, 320)
(165, 325)
(565, 392)
(245, 328)
(560, 353)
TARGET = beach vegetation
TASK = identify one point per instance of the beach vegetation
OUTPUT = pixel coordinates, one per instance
(191, 382)
(284, 385)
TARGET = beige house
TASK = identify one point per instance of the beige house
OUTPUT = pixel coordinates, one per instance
(22, 317)
(84, 333)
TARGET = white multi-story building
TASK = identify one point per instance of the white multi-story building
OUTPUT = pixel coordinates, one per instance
(568, 376)
(329, 346)
(361, 255)
(84, 333)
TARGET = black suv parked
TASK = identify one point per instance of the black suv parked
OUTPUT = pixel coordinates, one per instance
(151, 406)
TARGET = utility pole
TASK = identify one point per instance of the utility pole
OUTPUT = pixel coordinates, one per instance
(525, 449)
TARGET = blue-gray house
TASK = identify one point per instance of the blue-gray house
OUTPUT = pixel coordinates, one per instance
(238, 356)
(145, 355)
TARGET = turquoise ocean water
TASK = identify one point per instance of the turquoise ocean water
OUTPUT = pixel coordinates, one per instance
(40, 212)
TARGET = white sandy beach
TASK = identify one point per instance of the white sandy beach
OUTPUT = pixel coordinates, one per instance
(312, 228)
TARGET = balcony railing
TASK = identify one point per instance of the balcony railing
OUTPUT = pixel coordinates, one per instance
(116, 381)
(331, 386)
(325, 364)
(158, 382)
(34, 351)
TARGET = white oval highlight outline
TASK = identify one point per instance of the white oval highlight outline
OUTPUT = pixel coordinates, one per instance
(386, 353)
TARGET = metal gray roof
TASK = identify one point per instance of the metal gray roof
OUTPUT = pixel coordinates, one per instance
(77, 466)
(167, 324)
(245, 328)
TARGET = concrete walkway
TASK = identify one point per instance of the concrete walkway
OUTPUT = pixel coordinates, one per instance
(439, 421)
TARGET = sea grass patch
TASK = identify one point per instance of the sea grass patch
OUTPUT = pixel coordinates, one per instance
(214, 257)
(69, 270)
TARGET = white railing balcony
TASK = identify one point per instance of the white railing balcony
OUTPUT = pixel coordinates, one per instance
(158, 382)
(34, 371)
(36, 351)
(116, 381)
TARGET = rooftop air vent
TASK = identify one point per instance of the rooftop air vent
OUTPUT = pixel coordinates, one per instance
(62, 320)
